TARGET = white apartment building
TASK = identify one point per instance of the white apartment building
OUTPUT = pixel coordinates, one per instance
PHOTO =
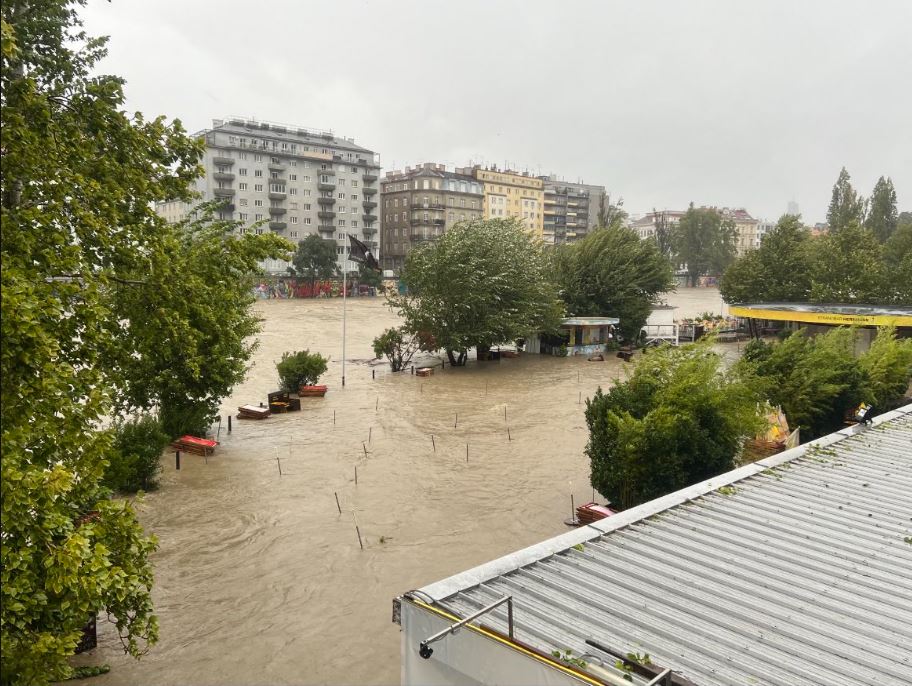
(290, 180)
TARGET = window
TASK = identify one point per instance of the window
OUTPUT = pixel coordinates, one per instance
(306, 205)
(306, 179)
(462, 202)
(259, 232)
(306, 192)
(258, 187)
(339, 250)
(354, 183)
(341, 182)
(354, 169)
(276, 188)
(294, 205)
(243, 202)
(294, 220)
(257, 217)
(243, 217)
(340, 236)
(324, 178)
(242, 172)
(341, 209)
(354, 224)
(273, 175)
(474, 205)
(258, 173)
(243, 155)
(274, 160)
(307, 220)
(341, 222)
(451, 202)
(294, 234)
(257, 203)
(292, 177)
(293, 191)
(242, 186)
(354, 196)
(242, 231)
(341, 196)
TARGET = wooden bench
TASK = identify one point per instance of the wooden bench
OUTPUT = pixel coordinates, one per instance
(195, 445)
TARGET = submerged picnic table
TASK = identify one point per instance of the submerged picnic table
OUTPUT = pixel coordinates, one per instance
(194, 444)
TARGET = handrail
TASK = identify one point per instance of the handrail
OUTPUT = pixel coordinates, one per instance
(424, 649)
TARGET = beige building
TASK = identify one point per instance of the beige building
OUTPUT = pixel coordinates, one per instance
(420, 204)
(748, 234)
(511, 194)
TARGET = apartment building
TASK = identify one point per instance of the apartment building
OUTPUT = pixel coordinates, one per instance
(511, 194)
(290, 180)
(747, 234)
(571, 209)
(646, 225)
(420, 204)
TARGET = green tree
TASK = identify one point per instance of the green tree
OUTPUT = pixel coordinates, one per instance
(612, 273)
(298, 369)
(397, 345)
(705, 241)
(664, 234)
(882, 214)
(185, 327)
(777, 271)
(482, 283)
(610, 214)
(134, 463)
(315, 259)
(897, 257)
(847, 267)
(369, 277)
(846, 206)
(679, 419)
(79, 180)
(817, 379)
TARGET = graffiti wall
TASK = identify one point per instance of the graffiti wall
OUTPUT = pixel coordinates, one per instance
(285, 288)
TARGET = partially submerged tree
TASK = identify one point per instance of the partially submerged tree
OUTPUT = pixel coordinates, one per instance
(482, 283)
(612, 273)
(847, 267)
(315, 259)
(705, 241)
(679, 419)
(298, 369)
(398, 346)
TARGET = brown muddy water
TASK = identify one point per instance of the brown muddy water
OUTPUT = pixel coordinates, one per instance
(260, 579)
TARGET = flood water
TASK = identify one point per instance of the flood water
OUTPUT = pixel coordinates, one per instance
(260, 579)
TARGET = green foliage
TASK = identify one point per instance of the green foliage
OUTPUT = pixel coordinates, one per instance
(777, 271)
(397, 345)
(897, 255)
(133, 464)
(679, 419)
(315, 259)
(847, 267)
(816, 379)
(846, 206)
(612, 273)
(882, 216)
(705, 240)
(482, 283)
(185, 325)
(368, 276)
(80, 178)
(300, 369)
(88, 671)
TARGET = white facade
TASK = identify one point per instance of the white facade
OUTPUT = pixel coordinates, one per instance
(291, 181)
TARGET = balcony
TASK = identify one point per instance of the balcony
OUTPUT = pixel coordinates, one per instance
(327, 228)
(417, 237)
(223, 176)
(326, 186)
(419, 222)
(369, 230)
(428, 206)
(277, 210)
(223, 160)
(330, 172)
(277, 225)
(369, 218)
(326, 201)
(223, 192)
(277, 195)
(276, 166)
(326, 214)
(439, 221)
(368, 190)
(279, 181)
(368, 205)
(369, 176)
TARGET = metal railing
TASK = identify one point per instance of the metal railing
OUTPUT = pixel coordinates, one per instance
(424, 649)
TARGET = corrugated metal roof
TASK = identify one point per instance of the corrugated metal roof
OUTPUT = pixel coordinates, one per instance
(798, 572)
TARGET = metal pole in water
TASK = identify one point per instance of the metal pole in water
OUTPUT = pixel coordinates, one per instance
(467, 453)
(433, 443)
(457, 420)
(177, 459)
(338, 506)
(572, 508)
(358, 531)
(229, 423)
(509, 437)
(344, 299)
(370, 434)
(356, 475)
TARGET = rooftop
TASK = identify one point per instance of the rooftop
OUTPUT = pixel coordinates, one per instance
(864, 315)
(791, 571)
(286, 132)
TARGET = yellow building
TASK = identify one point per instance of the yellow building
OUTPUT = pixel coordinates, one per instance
(511, 194)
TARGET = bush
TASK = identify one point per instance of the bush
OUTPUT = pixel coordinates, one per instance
(300, 369)
(133, 464)
(396, 345)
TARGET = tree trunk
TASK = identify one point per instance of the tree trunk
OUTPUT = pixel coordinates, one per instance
(483, 351)
(313, 287)
(451, 357)
(461, 360)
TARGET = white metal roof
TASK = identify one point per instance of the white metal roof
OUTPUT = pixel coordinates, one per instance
(798, 572)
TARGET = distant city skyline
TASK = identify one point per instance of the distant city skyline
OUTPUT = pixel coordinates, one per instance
(726, 104)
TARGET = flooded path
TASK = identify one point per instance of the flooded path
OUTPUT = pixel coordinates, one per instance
(260, 579)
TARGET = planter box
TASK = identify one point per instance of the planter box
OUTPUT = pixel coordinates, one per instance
(424, 371)
(253, 412)
(312, 391)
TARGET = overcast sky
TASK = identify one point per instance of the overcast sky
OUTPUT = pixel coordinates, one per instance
(722, 103)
